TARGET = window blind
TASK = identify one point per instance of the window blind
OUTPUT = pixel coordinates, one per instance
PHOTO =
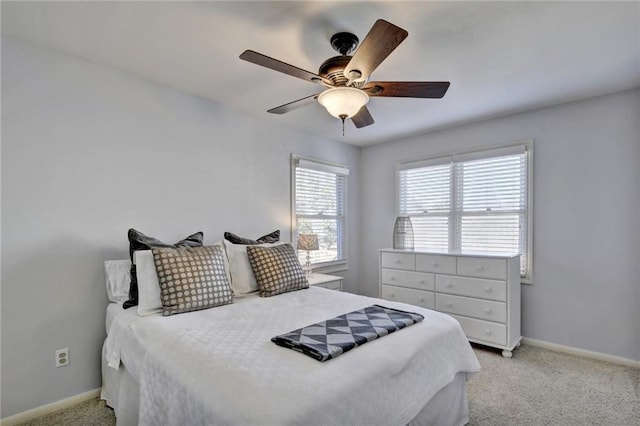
(491, 205)
(425, 197)
(473, 201)
(319, 207)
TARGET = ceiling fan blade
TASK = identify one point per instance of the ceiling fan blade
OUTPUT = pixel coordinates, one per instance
(382, 39)
(294, 105)
(362, 118)
(407, 89)
(283, 67)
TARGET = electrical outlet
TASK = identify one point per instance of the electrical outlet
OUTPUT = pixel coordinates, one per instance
(62, 357)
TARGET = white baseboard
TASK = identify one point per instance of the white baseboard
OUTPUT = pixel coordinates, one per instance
(581, 352)
(28, 415)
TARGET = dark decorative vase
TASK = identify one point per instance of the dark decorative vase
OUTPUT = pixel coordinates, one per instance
(403, 233)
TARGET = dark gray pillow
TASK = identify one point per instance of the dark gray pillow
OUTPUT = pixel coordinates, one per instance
(273, 237)
(140, 241)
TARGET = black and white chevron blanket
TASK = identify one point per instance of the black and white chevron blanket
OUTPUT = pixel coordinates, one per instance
(331, 338)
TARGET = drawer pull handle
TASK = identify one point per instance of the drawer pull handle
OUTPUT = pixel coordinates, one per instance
(487, 332)
(487, 289)
(487, 311)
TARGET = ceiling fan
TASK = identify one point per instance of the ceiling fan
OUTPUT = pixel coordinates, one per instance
(346, 78)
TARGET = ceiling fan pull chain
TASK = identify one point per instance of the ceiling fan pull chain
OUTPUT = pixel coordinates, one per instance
(342, 117)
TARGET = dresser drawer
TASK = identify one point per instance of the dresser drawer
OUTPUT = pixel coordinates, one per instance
(405, 261)
(418, 280)
(483, 331)
(482, 267)
(425, 299)
(476, 308)
(436, 263)
(473, 287)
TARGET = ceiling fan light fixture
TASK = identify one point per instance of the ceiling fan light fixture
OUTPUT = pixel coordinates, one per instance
(343, 102)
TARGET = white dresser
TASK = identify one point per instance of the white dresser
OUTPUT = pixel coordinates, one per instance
(479, 289)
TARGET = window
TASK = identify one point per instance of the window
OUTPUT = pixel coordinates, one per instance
(319, 192)
(477, 201)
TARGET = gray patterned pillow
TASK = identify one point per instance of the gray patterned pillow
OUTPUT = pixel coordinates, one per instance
(277, 269)
(191, 279)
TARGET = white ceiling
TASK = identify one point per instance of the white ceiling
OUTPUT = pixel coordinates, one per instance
(500, 57)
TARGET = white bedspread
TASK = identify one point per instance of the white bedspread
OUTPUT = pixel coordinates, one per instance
(218, 366)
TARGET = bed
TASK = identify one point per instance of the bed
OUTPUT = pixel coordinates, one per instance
(219, 366)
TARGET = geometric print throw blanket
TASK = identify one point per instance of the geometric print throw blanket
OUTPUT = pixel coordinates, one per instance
(331, 338)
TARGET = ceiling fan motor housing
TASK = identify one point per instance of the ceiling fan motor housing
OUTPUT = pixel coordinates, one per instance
(332, 69)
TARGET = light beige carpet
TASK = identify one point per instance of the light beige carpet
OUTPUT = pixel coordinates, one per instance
(541, 387)
(535, 387)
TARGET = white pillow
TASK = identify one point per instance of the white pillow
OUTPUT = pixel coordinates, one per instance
(117, 275)
(242, 279)
(148, 286)
(149, 301)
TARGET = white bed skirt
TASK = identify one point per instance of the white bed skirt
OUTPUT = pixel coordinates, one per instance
(121, 392)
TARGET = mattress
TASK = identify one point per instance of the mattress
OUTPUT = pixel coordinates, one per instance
(219, 365)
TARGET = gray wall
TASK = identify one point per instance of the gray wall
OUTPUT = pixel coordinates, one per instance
(86, 154)
(586, 228)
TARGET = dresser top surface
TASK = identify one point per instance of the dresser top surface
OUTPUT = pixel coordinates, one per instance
(469, 253)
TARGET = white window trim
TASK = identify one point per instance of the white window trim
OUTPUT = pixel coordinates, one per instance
(331, 167)
(442, 157)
